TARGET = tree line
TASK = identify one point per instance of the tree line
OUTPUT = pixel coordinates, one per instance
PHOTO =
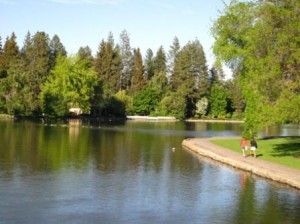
(40, 78)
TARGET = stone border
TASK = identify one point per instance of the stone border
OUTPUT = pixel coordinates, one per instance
(272, 171)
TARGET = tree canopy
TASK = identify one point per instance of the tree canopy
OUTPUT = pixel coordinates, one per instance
(260, 41)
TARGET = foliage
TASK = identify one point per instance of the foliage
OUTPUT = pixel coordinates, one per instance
(138, 80)
(42, 78)
(160, 61)
(113, 107)
(125, 99)
(190, 75)
(201, 107)
(260, 41)
(127, 61)
(149, 64)
(173, 104)
(70, 85)
(218, 101)
(145, 101)
(107, 66)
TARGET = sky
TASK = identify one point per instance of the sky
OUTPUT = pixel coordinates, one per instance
(80, 23)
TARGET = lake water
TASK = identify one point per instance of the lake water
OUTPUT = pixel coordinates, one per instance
(131, 172)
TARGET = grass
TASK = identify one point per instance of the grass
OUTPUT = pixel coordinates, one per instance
(281, 150)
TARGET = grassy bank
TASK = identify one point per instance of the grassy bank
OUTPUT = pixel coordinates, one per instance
(281, 150)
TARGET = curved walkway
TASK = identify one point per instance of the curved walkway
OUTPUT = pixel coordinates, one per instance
(266, 169)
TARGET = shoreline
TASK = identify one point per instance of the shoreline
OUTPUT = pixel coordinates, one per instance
(265, 169)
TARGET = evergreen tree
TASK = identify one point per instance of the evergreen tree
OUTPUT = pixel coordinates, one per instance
(190, 75)
(127, 61)
(172, 57)
(56, 48)
(216, 75)
(2, 73)
(138, 80)
(160, 61)
(11, 80)
(10, 53)
(85, 53)
(149, 64)
(1, 46)
(107, 66)
(37, 58)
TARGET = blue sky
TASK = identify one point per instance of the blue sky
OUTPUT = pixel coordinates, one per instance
(78, 23)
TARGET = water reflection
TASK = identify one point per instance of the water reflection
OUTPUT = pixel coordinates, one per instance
(91, 172)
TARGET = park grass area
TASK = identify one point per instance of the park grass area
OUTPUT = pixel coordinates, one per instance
(281, 150)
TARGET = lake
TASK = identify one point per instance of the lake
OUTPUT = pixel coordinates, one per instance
(131, 172)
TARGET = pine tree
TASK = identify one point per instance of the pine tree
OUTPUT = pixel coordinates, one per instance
(107, 66)
(56, 48)
(127, 61)
(172, 57)
(138, 80)
(160, 61)
(10, 53)
(2, 74)
(37, 58)
(149, 64)
(85, 53)
(190, 75)
(1, 46)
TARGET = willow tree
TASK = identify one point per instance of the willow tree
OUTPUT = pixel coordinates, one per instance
(260, 41)
(70, 84)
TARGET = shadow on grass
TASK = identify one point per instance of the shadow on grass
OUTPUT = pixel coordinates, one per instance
(289, 148)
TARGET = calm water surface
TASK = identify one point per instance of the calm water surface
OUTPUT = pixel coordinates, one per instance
(135, 172)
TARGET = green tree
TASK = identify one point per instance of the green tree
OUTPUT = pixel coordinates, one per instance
(11, 81)
(218, 101)
(149, 64)
(172, 56)
(160, 61)
(259, 41)
(190, 75)
(70, 85)
(127, 61)
(10, 53)
(36, 56)
(138, 80)
(145, 101)
(107, 65)
(56, 48)
(201, 107)
(85, 53)
(173, 104)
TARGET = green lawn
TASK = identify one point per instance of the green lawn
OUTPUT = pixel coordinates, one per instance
(281, 150)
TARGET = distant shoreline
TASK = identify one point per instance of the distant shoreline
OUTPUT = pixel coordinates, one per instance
(169, 118)
(133, 118)
(214, 120)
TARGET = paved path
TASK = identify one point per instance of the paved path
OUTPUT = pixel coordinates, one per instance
(266, 169)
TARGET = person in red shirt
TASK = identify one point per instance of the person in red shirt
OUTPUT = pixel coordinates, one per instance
(244, 145)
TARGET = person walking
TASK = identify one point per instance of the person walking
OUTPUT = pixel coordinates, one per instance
(253, 147)
(244, 146)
